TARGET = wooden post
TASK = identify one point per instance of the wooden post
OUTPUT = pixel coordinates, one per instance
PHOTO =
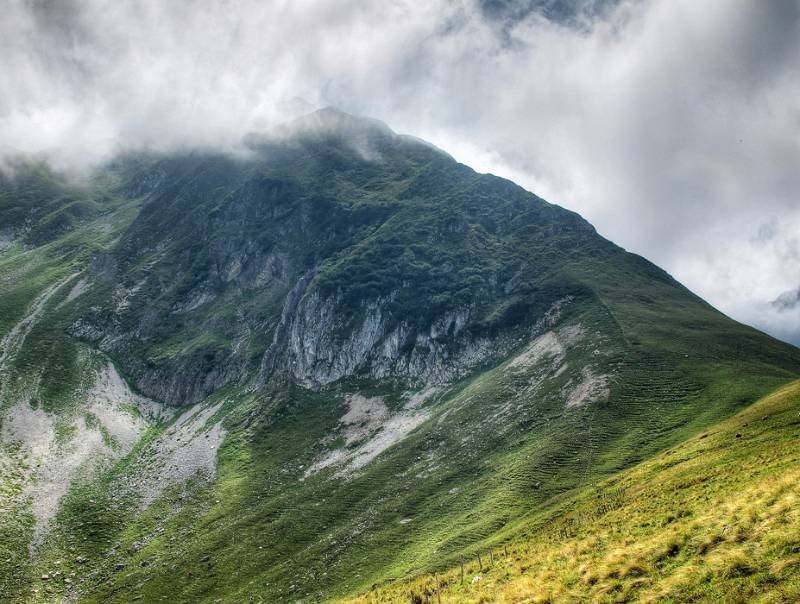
(462, 571)
(491, 557)
(505, 550)
(480, 562)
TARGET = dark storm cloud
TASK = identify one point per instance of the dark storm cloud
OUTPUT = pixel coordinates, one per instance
(787, 300)
(574, 13)
(673, 125)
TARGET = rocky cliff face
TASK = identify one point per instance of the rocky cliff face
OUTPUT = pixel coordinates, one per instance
(334, 249)
(322, 343)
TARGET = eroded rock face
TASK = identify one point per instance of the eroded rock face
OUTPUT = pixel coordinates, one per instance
(320, 350)
(61, 450)
(320, 343)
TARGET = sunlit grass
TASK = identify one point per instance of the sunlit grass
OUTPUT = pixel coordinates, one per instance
(714, 519)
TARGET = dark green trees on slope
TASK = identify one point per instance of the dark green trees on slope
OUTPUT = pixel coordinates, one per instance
(353, 358)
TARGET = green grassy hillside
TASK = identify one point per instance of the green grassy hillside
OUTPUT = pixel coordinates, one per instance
(713, 519)
(338, 358)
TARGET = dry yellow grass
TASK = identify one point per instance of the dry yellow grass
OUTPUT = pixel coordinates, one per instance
(714, 519)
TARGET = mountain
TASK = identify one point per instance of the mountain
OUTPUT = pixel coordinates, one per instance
(331, 358)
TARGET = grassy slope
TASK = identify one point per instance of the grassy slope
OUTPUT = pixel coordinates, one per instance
(266, 531)
(260, 532)
(464, 481)
(48, 355)
(713, 519)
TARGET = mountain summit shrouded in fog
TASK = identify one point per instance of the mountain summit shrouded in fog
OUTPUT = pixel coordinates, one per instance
(337, 359)
(671, 125)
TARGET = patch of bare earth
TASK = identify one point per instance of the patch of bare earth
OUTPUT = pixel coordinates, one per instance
(590, 387)
(368, 429)
(185, 450)
(61, 450)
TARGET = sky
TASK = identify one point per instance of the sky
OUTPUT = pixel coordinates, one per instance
(672, 125)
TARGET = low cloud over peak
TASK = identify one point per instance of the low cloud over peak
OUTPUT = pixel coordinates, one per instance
(672, 125)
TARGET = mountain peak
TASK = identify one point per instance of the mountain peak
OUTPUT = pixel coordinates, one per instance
(333, 119)
(328, 124)
(332, 122)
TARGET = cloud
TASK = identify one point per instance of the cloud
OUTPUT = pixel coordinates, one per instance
(672, 125)
(788, 300)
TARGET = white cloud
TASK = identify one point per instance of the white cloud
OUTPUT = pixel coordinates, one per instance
(672, 125)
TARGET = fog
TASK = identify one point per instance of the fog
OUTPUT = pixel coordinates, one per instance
(672, 125)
